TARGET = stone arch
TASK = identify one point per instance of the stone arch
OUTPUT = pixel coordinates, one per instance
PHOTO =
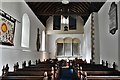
(75, 40)
(68, 40)
(60, 46)
(60, 40)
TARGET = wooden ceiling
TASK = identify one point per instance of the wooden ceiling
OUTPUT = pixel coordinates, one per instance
(45, 9)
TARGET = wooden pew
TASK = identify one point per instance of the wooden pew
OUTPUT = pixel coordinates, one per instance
(94, 71)
(103, 78)
(102, 73)
(35, 69)
(29, 72)
(94, 67)
(36, 72)
(22, 78)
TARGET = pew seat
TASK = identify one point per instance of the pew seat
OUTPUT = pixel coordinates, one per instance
(102, 73)
(35, 69)
(22, 78)
(103, 77)
(27, 73)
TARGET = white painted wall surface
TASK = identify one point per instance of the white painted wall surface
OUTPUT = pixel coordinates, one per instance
(79, 27)
(96, 42)
(34, 24)
(108, 43)
(0, 46)
(87, 40)
(12, 54)
(1, 61)
(119, 34)
(0, 4)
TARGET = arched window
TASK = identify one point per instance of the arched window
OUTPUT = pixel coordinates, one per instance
(43, 41)
(25, 31)
(68, 46)
(75, 46)
(60, 46)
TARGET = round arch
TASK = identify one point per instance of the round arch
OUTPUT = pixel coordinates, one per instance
(67, 40)
(60, 40)
(75, 40)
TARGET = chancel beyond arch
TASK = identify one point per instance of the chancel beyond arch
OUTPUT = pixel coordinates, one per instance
(67, 47)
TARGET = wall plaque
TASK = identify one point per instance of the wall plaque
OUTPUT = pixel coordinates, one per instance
(113, 18)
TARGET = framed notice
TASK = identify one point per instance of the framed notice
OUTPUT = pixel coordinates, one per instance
(7, 28)
(113, 25)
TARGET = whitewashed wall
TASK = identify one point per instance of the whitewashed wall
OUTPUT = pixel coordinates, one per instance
(79, 27)
(108, 43)
(12, 55)
(0, 48)
(87, 40)
(15, 53)
(119, 35)
(96, 42)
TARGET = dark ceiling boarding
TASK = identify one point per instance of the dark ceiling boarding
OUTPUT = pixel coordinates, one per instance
(45, 9)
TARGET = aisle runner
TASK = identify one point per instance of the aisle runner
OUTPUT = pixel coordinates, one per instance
(68, 74)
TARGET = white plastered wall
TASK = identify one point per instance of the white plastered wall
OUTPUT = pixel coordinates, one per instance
(108, 42)
(12, 54)
(79, 27)
(119, 35)
(87, 40)
(96, 42)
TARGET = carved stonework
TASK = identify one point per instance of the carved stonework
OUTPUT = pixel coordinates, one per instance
(92, 38)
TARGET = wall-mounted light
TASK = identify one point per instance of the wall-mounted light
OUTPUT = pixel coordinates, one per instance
(65, 1)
